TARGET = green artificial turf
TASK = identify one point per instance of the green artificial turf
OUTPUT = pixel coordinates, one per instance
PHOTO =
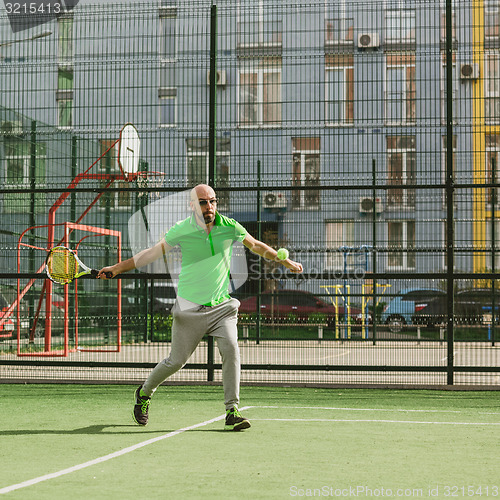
(303, 442)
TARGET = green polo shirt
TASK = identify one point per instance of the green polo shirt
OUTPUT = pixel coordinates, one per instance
(206, 258)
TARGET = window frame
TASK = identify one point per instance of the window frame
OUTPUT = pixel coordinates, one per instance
(408, 101)
(491, 6)
(491, 95)
(260, 70)
(168, 13)
(403, 253)
(443, 89)
(338, 17)
(334, 261)
(261, 23)
(344, 65)
(408, 197)
(304, 154)
(395, 13)
(492, 149)
(65, 41)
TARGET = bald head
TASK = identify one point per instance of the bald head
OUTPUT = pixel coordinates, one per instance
(203, 191)
(204, 204)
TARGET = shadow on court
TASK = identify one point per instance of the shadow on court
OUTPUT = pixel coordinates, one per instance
(99, 429)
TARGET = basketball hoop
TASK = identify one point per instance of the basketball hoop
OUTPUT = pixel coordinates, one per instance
(147, 181)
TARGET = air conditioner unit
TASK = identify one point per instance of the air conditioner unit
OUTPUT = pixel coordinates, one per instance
(366, 205)
(274, 199)
(221, 77)
(9, 127)
(368, 40)
(469, 71)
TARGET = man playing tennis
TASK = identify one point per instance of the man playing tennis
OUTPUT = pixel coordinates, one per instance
(203, 304)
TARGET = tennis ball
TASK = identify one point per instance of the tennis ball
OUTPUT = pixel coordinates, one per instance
(282, 254)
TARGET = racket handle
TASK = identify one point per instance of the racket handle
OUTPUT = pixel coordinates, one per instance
(95, 272)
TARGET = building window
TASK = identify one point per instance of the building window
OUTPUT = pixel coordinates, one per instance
(198, 166)
(305, 172)
(400, 25)
(65, 56)
(401, 243)
(443, 90)
(339, 25)
(167, 110)
(168, 33)
(492, 149)
(491, 20)
(19, 172)
(340, 90)
(444, 162)
(443, 21)
(168, 106)
(65, 49)
(167, 93)
(64, 97)
(338, 234)
(260, 27)
(260, 93)
(400, 102)
(401, 165)
(492, 88)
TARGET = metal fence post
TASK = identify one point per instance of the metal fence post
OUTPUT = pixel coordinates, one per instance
(449, 188)
(72, 237)
(259, 262)
(212, 145)
(493, 249)
(374, 253)
(32, 240)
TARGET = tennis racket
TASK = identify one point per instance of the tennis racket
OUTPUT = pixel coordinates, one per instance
(63, 266)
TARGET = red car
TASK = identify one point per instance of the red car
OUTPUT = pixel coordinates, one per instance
(283, 305)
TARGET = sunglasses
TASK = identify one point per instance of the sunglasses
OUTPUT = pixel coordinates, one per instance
(204, 203)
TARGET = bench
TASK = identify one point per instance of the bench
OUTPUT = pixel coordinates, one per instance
(246, 325)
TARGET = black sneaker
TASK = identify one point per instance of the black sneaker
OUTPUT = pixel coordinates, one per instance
(141, 407)
(235, 421)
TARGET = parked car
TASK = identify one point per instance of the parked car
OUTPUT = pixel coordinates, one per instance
(401, 309)
(470, 307)
(163, 295)
(281, 305)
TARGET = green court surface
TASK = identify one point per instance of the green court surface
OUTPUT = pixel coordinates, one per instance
(79, 442)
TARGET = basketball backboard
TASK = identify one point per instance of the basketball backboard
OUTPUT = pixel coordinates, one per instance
(128, 150)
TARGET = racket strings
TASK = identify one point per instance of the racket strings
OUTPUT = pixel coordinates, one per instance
(62, 265)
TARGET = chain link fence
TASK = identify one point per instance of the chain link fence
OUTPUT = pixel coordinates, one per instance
(361, 136)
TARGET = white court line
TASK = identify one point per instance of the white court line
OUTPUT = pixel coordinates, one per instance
(372, 420)
(446, 357)
(336, 355)
(356, 409)
(105, 458)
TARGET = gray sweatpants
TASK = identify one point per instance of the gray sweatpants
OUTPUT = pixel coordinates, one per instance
(188, 328)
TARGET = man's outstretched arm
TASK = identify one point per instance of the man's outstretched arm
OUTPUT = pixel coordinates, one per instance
(143, 258)
(265, 251)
